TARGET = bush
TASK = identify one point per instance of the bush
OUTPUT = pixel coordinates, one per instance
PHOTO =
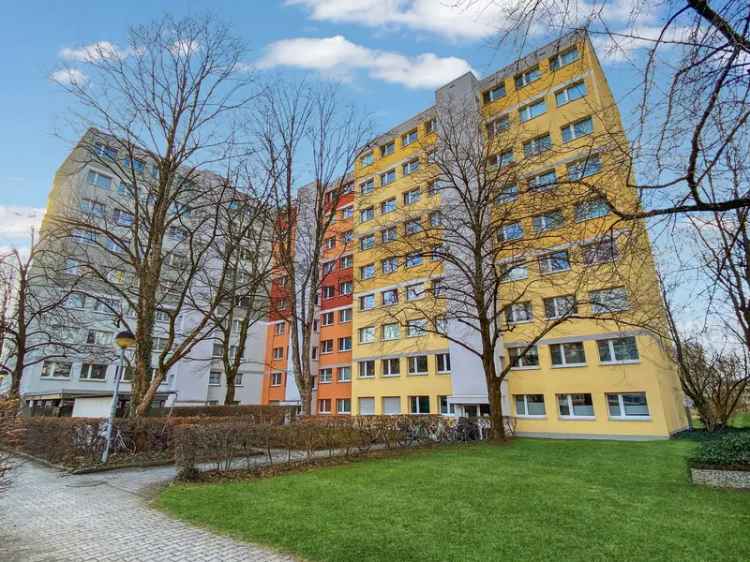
(732, 450)
(261, 414)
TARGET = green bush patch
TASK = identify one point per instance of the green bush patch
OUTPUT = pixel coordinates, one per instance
(731, 452)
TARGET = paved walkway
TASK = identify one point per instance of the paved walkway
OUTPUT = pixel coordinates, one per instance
(49, 516)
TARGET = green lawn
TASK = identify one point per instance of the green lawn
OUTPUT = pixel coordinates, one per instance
(530, 500)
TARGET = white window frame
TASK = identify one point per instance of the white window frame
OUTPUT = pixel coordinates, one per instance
(611, 350)
(397, 331)
(526, 406)
(412, 365)
(523, 366)
(597, 308)
(621, 405)
(364, 366)
(386, 361)
(339, 371)
(568, 399)
(547, 262)
(416, 400)
(366, 334)
(565, 363)
(343, 406)
(445, 359)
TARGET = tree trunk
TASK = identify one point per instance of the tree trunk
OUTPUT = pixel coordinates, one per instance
(15, 383)
(229, 397)
(494, 391)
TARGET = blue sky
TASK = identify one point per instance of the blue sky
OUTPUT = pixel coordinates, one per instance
(388, 55)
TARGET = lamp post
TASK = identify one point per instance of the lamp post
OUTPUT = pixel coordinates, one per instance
(123, 340)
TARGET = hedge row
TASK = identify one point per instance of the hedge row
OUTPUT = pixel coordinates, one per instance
(261, 414)
(730, 451)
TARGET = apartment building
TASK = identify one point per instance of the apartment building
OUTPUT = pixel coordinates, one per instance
(81, 381)
(587, 377)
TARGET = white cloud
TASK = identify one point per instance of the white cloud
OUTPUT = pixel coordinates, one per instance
(622, 45)
(69, 77)
(93, 52)
(16, 224)
(184, 47)
(340, 58)
(474, 20)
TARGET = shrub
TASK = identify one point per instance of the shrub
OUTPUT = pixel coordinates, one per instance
(732, 450)
(261, 414)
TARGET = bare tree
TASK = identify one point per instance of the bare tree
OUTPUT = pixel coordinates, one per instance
(302, 131)
(35, 318)
(491, 232)
(6, 466)
(158, 112)
(692, 82)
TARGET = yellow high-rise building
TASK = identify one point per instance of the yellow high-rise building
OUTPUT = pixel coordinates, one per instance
(587, 377)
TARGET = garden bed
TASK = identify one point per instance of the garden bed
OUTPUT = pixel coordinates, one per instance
(723, 462)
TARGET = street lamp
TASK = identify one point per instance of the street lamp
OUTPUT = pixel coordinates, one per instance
(123, 340)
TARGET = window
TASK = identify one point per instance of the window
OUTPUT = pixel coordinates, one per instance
(347, 237)
(514, 271)
(345, 343)
(84, 236)
(446, 409)
(278, 353)
(98, 337)
(416, 328)
(345, 287)
(414, 292)
(438, 287)
(347, 188)
(238, 379)
(528, 112)
(324, 405)
(527, 77)
(367, 369)
(529, 404)
(76, 300)
(507, 195)
(367, 334)
(367, 302)
(497, 126)
(325, 376)
(563, 59)
(160, 344)
(542, 181)
(618, 350)
(389, 265)
(494, 93)
(346, 262)
(122, 218)
(72, 266)
(554, 262)
(628, 405)
(436, 218)
(567, 354)
(347, 212)
(343, 406)
(92, 207)
(505, 158)
(276, 379)
(409, 138)
(388, 148)
(367, 271)
(592, 209)
(327, 318)
(344, 374)
(367, 186)
(366, 214)
(389, 234)
(419, 404)
(408, 168)
(570, 93)
(56, 369)
(329, 291)
(575, 405)
(328, 267)
(391, 331)
(391, 367)
(576, 130)
(391, 405)
(413, 226)
(367, 158)
(99, 180)
(443, 362)
(367, 242)
(109, 306)
(366, 406)
(326, 346)
(278, 329)
(93, 372)
(388, 177)
(430, 125)
(609, 300)
(519, 312)
(411, 196)
(108, 152)
(602, 251)
(559, 307)
(138, 166)
(388, 206)
(510, 232)
(547, 221)
(345, 315)
(584, 168)
(314, 355)
(218, 350)
(528, 360)
(390, 296)
(537, 146)
(413, 260)
(214, 378)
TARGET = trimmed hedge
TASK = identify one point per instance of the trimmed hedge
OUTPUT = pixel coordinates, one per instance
(731, 451)
(262, 414)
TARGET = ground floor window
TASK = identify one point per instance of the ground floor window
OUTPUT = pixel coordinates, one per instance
(324, 406)
(575, 405)
(367, 406)
(419, 404)
(344, 406)
(445, 408)
(529, 404)
(391, 405)
(628, 405)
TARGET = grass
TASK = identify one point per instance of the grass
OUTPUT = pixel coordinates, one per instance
(530, 500)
